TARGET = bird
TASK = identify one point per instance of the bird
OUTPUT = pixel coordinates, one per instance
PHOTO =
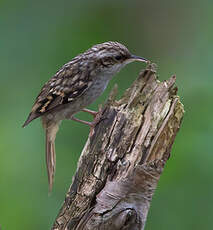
(76, 85)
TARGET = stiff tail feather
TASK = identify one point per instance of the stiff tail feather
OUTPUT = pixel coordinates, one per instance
(50, 153)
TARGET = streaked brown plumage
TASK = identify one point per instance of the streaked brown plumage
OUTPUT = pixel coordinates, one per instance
(76, 85)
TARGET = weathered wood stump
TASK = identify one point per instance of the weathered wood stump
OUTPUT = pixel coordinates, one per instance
(122, 161)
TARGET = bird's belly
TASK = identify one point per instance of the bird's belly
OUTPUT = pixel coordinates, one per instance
(87, 98)
(93, 92)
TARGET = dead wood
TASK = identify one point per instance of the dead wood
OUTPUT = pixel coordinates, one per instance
(122, 161)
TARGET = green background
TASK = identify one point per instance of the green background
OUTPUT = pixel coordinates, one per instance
(38, 37)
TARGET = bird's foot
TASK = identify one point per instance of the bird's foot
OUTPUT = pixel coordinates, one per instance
(81, 121)
(93, 113)
(97, 118)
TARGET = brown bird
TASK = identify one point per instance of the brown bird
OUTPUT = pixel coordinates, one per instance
(76, 85)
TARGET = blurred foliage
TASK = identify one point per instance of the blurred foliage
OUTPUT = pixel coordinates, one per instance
(38, 37)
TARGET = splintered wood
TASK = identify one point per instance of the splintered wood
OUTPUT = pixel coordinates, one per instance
(122, 161)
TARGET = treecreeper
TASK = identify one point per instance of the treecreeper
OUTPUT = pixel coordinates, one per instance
(75, 86)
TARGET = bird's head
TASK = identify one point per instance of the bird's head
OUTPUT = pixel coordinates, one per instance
(112, 56)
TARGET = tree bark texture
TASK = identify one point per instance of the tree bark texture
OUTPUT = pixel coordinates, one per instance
(123, 159)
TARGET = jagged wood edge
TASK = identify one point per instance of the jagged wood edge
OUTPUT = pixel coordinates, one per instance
(147, 103)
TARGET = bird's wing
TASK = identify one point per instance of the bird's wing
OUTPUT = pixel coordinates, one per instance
(64, 87)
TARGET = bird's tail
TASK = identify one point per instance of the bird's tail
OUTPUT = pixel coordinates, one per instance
(51, 131)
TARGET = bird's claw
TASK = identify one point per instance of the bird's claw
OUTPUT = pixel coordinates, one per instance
(97, 119)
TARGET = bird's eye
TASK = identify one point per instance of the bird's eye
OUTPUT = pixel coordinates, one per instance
(118, 57)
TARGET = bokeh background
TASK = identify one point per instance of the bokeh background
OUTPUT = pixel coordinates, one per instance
(38, 37)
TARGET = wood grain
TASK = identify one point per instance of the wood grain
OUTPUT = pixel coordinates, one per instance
(122, 161)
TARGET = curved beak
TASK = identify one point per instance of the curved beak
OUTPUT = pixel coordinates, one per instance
(137, 58)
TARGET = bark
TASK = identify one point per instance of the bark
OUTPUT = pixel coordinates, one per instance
(123, 159)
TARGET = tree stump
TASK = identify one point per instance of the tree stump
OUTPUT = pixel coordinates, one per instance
(123, 159)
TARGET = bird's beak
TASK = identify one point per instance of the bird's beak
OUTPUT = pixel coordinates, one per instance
(137, 58)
